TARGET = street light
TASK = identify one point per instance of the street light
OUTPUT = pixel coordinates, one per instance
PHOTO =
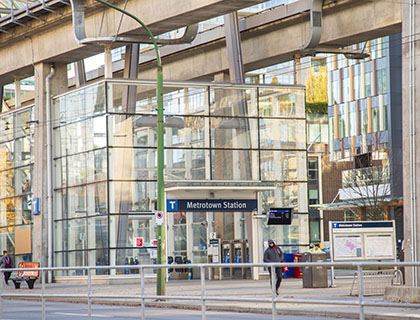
(160, 287)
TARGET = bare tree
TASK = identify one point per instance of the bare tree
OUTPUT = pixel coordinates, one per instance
(368, 189)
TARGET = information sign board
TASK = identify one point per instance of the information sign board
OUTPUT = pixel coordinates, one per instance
(280, 216)
(367, 240)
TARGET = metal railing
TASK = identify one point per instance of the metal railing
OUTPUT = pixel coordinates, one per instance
(203, 298)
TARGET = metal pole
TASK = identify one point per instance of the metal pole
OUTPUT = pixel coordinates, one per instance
(273, 293)
(89, 294)
(160, 286)
(361, 302)
(143, 317)
(42, 295)
(203, 294)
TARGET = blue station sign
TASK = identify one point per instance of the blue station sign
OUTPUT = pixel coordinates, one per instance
(173, 205)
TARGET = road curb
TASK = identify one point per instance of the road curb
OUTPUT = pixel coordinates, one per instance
(238, 309)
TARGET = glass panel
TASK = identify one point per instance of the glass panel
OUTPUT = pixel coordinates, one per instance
(97, 199)
(23, 153)
(80, 104)
(73, 203)
(22, 127)
(133, 256)
(23, 210)
(185, 101)
(76, 258)
(234, 164)
(6, 128)
(185, 164)
(281, 103)
(81, 168)
(284, 196)
(99, 258)
(176, 100)
(131, 196)
(125, 228)
(71, 235)
(7, 240)
(283, 166)
(180, 240)
(186, 132)
(296, 233)
(97, 232)
(80, 136)
(228, 102)
(199, 237)
(234, 133)
(282, 134)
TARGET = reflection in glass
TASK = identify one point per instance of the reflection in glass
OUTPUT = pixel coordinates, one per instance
(235, 165)
(233, 102)
(234, 133)
(131, 196)
(282, 134)
(283, 165)
(281, 103)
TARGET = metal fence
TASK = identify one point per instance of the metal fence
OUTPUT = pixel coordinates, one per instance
(203, 297)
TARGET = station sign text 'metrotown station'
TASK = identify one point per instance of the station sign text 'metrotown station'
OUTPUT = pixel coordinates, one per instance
(173, 205)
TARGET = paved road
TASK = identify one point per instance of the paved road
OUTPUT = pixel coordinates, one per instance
(23, 310)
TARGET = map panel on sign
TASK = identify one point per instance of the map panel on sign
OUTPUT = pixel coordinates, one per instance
(379, 246)
(347, 246)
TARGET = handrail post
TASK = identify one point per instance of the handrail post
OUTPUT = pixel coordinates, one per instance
(273, 293)
(361, 301)
(43, 294)
(203, 293)
(143, 317)
(89, 294)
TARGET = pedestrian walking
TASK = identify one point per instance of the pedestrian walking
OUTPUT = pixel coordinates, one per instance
(274, 254)
(5, 263)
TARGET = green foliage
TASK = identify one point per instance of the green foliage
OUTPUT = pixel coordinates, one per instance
(316, 107)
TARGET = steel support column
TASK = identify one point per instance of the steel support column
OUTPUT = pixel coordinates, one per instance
(80, 73)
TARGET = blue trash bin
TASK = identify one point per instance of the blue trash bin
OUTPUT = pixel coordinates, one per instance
(288, 257)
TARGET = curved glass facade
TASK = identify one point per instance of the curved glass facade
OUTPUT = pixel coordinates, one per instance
(105, 163)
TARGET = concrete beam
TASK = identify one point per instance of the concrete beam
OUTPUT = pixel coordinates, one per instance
(266, 41)
(53, 40)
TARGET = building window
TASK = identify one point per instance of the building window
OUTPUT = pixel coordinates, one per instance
(375, 120)
(341, 126)
(368, 84)
(385, 117)
(381, 81)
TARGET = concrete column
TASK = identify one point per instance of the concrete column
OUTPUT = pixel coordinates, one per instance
(108, 62)
(18, 94)
(58, 85)
(410, 136)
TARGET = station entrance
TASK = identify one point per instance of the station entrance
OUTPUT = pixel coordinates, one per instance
(216, 222)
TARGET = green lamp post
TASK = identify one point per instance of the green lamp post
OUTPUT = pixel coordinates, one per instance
(160, 288)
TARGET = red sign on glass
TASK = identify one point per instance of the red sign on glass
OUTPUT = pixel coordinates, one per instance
(138, 242)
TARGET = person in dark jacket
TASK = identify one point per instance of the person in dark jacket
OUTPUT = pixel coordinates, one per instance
(5, 263)
(274, 254)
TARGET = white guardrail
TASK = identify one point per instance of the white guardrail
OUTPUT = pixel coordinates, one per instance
(274, 300)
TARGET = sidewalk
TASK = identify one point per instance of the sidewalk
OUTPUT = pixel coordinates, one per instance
(290, 288)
